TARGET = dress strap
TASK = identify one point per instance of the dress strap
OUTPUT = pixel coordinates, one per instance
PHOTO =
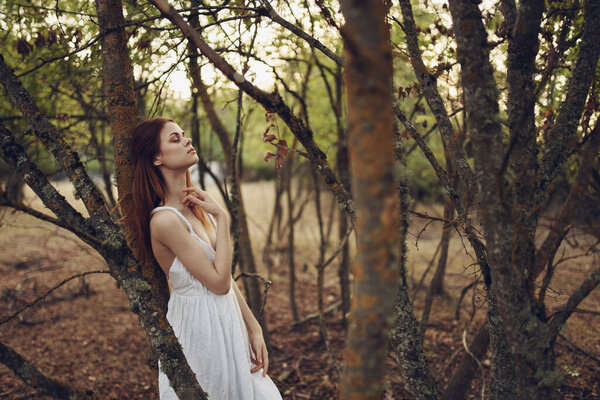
(176, 212)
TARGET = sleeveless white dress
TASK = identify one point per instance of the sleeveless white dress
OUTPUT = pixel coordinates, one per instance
(213, 336)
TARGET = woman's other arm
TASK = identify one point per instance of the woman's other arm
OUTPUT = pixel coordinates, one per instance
(255, 334)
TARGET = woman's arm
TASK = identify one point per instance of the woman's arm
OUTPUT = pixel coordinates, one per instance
(168, 229)
(255, 333)
(251, 322)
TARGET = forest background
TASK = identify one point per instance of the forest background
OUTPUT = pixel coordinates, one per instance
(278, 158)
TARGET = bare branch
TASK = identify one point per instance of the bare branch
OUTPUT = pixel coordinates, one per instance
(477, 245)
(562, 136)
(272, 14)
(560, 225)
(564, 312)
(272, 102)
(43, 297)
(33, 377)
(428, 83)
(14, 154)
(62, 152)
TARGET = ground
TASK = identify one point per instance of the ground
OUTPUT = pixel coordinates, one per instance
(85, 335)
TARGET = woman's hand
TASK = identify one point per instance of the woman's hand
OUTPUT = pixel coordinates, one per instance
(203, 199)
(259, 355)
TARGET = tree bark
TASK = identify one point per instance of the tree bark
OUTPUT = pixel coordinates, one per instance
(503, 372)
(117, 77)
(526, 334)
(522, 49)
(371, 142)
(406, 342)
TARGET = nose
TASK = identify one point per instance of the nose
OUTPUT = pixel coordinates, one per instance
(189, 140)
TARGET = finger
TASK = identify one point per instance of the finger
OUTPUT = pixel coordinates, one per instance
(261, 357)
(257, 366)
(194, 190)
(194, 194)
(189, 200)
(265, 363)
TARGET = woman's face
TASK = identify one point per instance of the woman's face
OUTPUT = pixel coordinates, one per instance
(176, 151)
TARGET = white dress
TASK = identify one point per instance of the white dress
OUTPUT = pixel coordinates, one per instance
(213, 336)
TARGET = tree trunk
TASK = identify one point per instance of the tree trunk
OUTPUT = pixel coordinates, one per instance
(436, 287)
(99, 230)
(406, 344)
(247, 262)
(503, 373)
(368, 78)
(343, 170)
(527, 335)
(120, 102)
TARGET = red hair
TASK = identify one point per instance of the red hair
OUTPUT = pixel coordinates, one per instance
(149, 187)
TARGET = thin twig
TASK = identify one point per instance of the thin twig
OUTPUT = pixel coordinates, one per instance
(43, 297)
(266, 282)
(464, 342)
(579, 349)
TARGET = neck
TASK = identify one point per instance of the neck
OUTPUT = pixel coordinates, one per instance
(175, 182)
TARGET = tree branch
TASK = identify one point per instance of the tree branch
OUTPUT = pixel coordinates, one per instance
(562, 136)
(33, 377)
(477, 245)
(560, 224)
(69, 218)
(272, 14)
(564, 312)
(272, 102)
(44, 217)
(428, 84)
(62, 152)
(43, 297)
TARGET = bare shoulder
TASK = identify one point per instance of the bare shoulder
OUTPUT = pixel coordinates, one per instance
(166, 224)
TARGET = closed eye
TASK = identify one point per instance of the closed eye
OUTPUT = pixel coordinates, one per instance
(176, 136)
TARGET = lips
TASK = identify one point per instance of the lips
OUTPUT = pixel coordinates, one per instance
(192, 150)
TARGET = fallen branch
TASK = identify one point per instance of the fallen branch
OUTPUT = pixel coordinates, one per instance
(33, 377)
(313, 316)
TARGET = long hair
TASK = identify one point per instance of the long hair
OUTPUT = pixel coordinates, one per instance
(149, 186)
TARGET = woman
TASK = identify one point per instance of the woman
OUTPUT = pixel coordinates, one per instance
(187, 232)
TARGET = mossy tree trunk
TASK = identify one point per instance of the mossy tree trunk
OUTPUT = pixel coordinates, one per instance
(99, 230)
(509, 210)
